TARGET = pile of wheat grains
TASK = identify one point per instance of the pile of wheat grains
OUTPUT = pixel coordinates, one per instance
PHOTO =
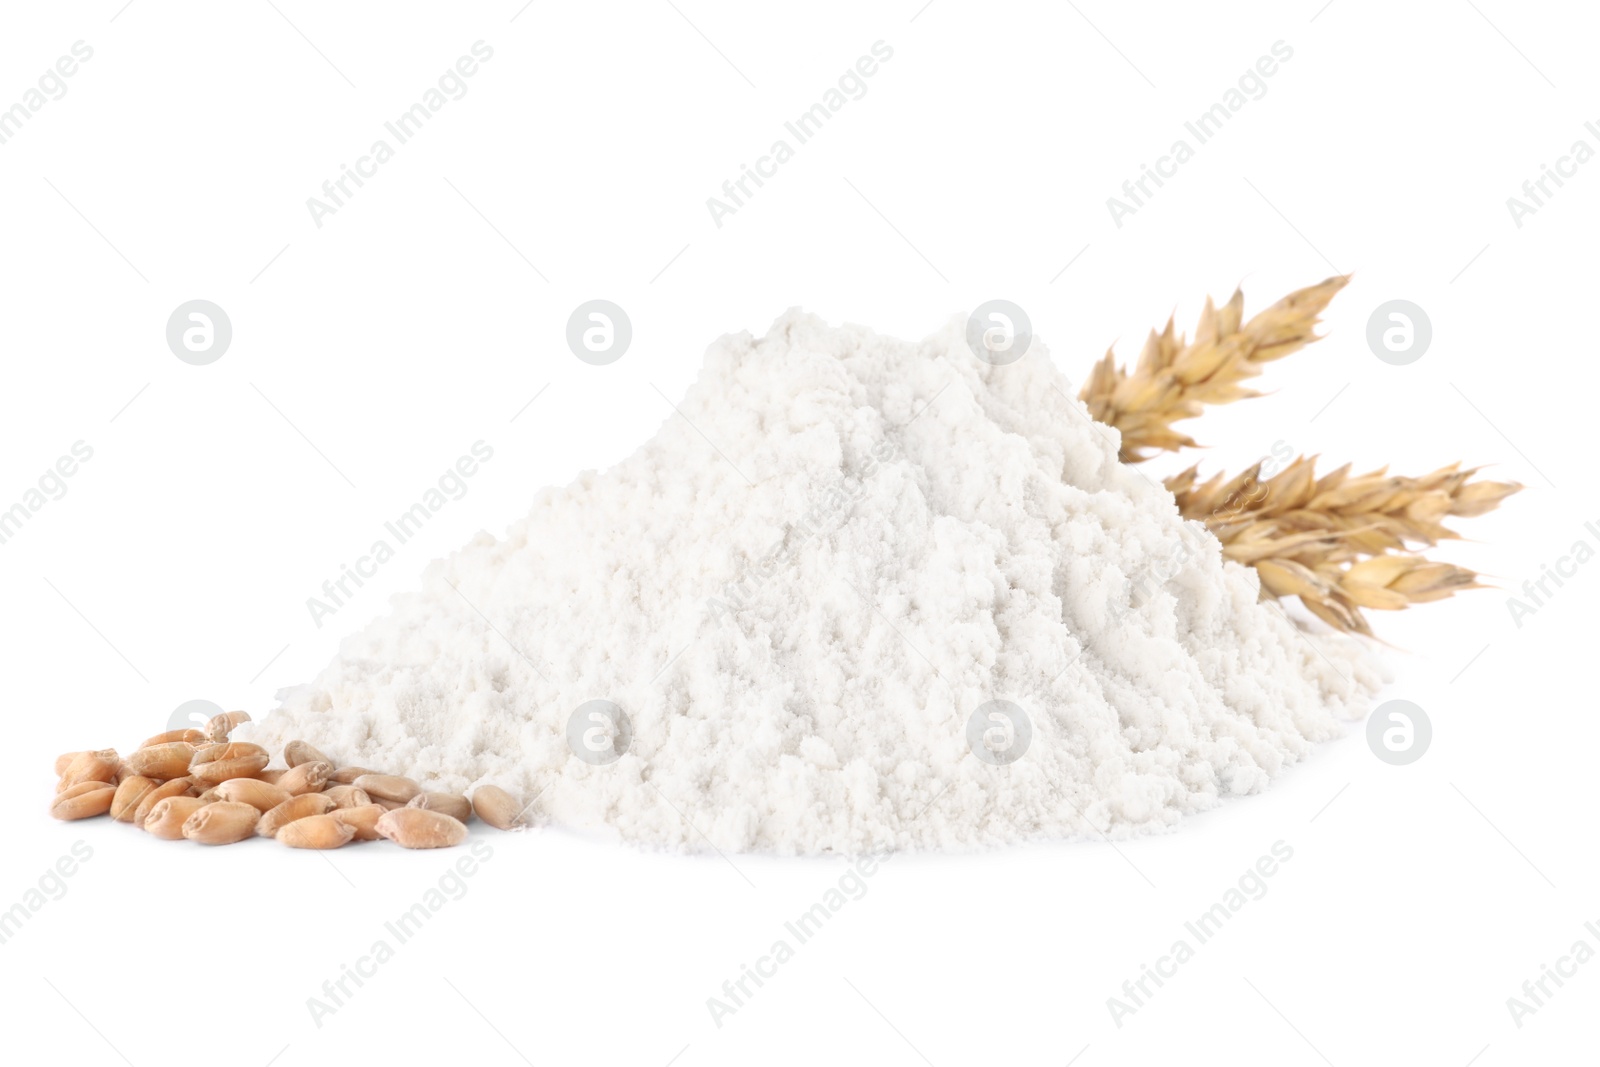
(197, 785)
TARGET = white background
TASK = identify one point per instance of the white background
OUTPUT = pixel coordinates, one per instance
(370, 353)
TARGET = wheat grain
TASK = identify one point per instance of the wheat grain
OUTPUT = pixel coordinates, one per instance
(420, 828)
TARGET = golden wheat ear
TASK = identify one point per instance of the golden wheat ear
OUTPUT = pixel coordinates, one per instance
(1341, 543)
(1174, 378)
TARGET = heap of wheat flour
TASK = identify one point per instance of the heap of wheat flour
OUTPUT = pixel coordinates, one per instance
(801, 589)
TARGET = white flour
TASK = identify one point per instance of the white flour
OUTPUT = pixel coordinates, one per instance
(800, 628)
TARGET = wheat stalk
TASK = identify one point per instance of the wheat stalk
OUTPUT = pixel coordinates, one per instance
(1174, 378)
(1341, 543)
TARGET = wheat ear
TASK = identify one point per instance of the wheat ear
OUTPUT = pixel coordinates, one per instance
(1174, 378)
(1341, 543)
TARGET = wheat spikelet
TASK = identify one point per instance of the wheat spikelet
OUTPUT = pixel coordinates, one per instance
(1174, 378)
(1341, 543)
(1337, 593)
